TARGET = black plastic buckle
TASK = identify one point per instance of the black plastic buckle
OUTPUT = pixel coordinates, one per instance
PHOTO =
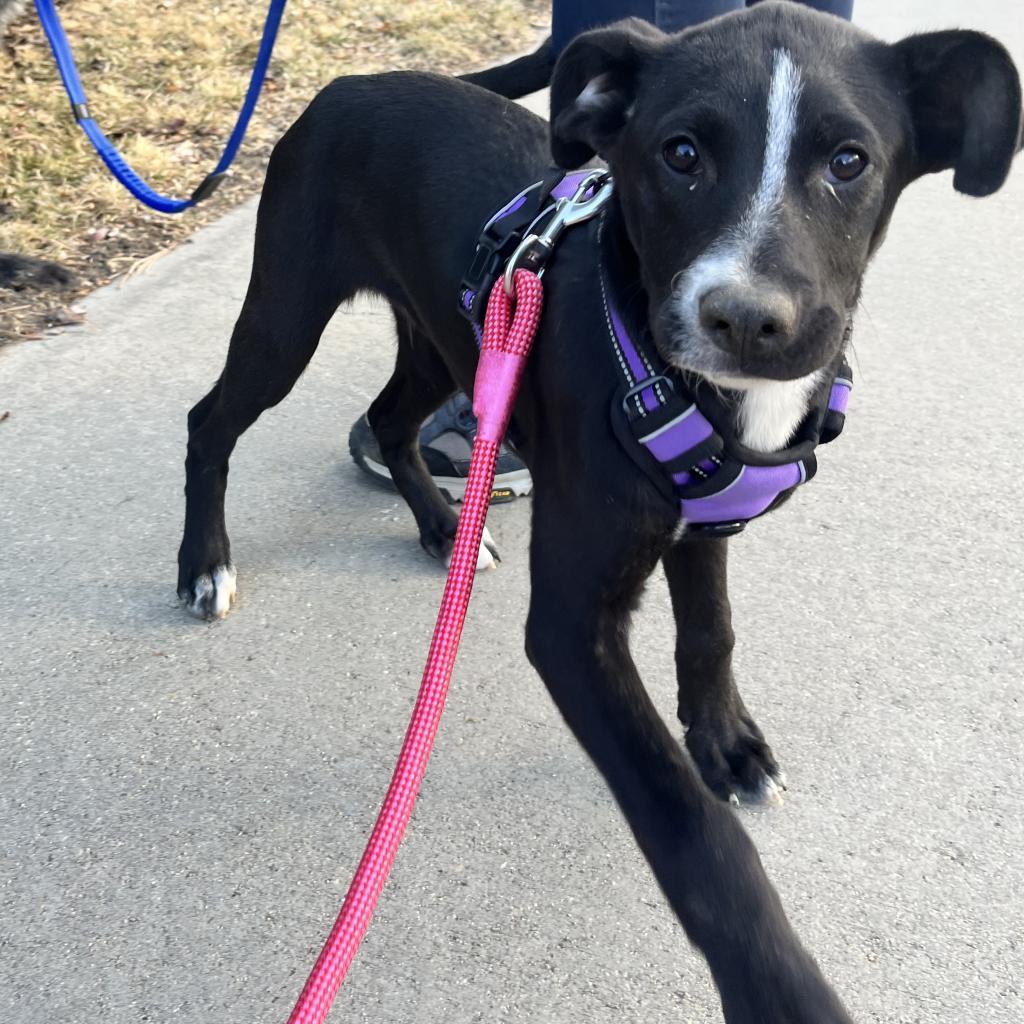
(492, 253)
(497, 242)
(715, 529)
(208, 186)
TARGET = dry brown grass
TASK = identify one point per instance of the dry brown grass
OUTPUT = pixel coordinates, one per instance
(164, 80)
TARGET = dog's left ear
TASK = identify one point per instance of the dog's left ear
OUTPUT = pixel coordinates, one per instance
(593, 87)
(965, 100)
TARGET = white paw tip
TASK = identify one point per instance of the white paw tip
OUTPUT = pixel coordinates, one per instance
(213, 594)
(487, 556)
(201, 589)
(768, 794)
(225, 588)
(484, 559)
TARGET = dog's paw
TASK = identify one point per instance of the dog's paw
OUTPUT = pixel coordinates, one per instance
(441, 547)
(487, 557)
(734, 760)
(211, 594)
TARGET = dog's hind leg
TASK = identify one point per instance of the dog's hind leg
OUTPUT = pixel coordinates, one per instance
(420, 383)
(586, 574)
(722, 737)
(287, 306)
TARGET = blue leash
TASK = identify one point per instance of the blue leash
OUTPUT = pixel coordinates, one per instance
(108, 151)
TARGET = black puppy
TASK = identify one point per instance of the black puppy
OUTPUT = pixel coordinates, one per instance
(757, 160)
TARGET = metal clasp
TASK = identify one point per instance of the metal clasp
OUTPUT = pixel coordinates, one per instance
(534, 251)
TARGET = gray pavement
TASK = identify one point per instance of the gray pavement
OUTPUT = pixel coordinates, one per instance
(182, 804)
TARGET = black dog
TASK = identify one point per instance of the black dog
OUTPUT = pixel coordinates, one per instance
(757, 160)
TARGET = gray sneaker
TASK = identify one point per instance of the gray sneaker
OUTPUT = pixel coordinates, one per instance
(446, 443)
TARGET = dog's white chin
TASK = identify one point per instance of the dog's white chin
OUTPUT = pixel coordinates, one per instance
(769, 411)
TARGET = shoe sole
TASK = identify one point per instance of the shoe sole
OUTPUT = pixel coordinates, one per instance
(507, 486)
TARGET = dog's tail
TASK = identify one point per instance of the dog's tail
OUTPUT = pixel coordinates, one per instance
(518, 77)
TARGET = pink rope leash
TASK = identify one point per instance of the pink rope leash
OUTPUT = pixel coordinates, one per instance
(506, 344)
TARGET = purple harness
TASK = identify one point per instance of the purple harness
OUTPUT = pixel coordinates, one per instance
(683, 441)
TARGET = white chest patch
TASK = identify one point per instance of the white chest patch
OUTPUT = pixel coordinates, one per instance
(771, 410)
(768, 411)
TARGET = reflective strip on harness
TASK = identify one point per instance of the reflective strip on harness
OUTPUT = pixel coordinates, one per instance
(679, 435)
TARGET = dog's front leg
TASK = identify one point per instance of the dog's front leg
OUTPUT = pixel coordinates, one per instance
(586, 576)
(722, 737)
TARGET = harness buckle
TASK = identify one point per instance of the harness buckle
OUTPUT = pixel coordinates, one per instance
(498, 239)
(647, 382)
(534, 251)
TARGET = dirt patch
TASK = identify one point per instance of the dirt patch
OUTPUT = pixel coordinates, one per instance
(165, 79)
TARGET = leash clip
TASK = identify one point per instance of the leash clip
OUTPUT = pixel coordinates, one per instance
(534, 251)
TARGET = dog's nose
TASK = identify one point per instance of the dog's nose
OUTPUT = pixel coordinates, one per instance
(744, 320)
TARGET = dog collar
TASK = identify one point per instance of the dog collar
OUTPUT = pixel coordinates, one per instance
(678, 432)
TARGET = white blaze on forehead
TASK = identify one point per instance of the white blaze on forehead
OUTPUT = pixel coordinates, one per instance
(731, 259)
(769, 411)
(783, 100)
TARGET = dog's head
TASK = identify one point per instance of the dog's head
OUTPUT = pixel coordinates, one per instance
(757, 159)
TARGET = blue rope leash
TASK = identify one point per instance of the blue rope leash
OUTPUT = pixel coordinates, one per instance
(108, 151)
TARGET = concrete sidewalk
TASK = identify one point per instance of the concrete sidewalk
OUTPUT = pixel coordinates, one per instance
(182, 804)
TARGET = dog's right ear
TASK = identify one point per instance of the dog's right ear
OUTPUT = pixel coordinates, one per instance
(593, 88)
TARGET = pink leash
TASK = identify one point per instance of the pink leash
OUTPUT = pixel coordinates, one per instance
(506, 343)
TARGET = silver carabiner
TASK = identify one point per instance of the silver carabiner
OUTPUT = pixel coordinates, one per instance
(567, 212)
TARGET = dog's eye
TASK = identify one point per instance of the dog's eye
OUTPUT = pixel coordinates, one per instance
(681, 155)
(848, 163)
